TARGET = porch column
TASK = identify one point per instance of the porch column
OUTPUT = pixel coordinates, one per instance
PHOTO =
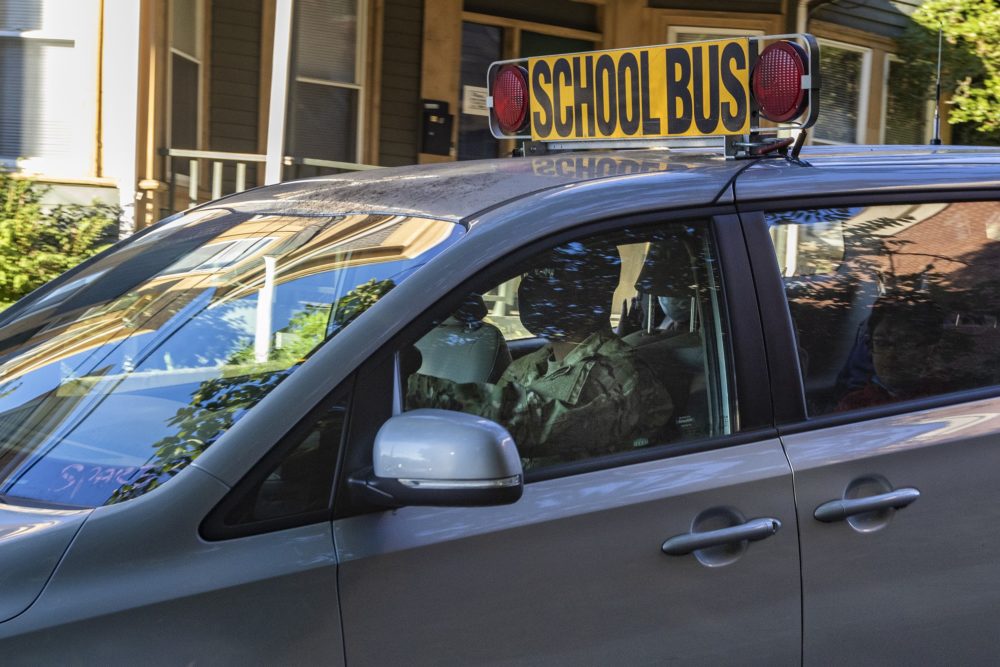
(279, 90)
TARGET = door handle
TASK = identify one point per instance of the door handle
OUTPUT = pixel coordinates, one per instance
(751, 531)
(838, 510)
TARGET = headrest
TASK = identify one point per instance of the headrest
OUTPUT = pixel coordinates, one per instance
(666, 270)
(472, 310)
(566, 294)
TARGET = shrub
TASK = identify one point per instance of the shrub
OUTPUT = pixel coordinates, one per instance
(38, 243)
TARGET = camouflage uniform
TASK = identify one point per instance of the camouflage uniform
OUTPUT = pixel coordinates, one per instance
(600, 398)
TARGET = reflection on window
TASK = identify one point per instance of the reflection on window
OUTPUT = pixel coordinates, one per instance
(298, 478)
(219, 255)
(108, 401)
(808, 249)
(904, 304)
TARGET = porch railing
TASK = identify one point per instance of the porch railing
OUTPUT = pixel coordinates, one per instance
(194, 177)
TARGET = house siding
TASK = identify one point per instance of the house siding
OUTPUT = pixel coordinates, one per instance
(881, 17)
(235, 87)
(399, 124)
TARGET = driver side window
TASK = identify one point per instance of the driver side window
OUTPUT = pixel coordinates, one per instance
(593, 347)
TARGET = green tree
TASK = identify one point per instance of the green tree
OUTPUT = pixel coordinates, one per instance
(38, 243)
(218, 403)
(970, 62)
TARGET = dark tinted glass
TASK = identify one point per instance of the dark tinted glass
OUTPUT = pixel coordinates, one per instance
(481, 45)
(597, 346)
(184, 103)
(298, 478)
(892, 302)
(324, 122)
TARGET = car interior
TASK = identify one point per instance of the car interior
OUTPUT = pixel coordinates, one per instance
(477, 342)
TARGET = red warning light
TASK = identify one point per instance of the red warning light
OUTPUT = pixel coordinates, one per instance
(510, 99)
(777, 81)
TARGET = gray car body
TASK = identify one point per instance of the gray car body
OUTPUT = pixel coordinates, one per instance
(137, 581)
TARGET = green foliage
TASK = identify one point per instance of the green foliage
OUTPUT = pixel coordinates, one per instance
(970, 61)
(38, 243)
(218, 403)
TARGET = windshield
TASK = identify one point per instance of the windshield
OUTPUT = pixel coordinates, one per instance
(116, 379)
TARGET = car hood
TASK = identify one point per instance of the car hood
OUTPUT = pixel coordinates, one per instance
(32, 540)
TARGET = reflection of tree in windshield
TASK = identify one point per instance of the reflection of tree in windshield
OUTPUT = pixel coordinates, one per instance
(218, 403)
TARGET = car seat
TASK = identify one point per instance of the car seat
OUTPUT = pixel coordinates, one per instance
(464, 348)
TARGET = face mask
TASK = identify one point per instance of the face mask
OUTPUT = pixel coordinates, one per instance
(677, 308)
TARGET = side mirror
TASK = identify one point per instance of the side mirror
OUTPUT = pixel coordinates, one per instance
(442, 458)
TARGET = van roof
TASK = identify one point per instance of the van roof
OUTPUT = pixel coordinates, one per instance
(458, 190)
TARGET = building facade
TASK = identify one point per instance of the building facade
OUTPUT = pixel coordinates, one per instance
(161, 104)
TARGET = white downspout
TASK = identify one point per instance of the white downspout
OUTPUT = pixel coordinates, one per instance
(279, 91)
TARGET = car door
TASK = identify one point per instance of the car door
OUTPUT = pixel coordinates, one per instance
(576, 571)
(895, 306)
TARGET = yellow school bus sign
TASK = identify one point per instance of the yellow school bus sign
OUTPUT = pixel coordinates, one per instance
(684, 90)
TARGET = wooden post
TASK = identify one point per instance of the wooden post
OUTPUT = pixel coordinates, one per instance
(442, 58)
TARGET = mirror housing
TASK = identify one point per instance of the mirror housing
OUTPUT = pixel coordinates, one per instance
(442, 458)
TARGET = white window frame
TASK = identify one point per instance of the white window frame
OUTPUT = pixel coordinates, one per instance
(860, 131)
(197, 59)
(85, 44)
(928, 105)
(360, 59)
(674, 30)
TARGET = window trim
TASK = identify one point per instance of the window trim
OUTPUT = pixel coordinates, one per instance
(510, 48)
(767, 24)
(751, 410)
(198, 59)
(674, 30)
(82, 37)
(789, 396)
(512, 40)
(860, 130)
(359, 84)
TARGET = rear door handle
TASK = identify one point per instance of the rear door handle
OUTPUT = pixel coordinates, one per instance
(838, 510)
(751, 531)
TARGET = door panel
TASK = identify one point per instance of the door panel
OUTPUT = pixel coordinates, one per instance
(574, 573)
(918, 584)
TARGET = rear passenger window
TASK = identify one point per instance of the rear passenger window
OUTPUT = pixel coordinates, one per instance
(892, 303)
(597, 346)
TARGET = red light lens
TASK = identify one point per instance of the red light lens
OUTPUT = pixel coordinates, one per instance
(777, 81)
(510, 98)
